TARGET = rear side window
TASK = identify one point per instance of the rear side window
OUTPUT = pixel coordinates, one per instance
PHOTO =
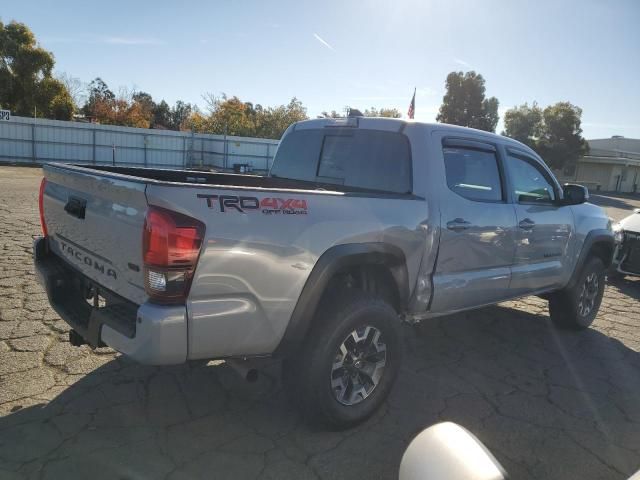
(367, 159)
(473, 174)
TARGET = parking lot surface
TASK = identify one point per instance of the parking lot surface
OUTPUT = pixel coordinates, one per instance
(549, 404)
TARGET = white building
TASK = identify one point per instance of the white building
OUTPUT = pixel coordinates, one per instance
(613, 164)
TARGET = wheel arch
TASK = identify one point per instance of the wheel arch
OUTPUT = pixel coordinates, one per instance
(598, 243)
(386, 257)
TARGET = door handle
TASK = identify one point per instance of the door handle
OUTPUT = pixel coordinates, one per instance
(458, 224)
(527, 224)
(76, 207)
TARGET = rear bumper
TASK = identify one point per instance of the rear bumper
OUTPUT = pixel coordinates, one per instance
(150, 334)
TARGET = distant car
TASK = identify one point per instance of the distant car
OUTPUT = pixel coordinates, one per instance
(626, 257)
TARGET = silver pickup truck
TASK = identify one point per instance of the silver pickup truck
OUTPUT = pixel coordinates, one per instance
(361, 224)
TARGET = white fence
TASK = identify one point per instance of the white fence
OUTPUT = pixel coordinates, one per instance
(26, 140)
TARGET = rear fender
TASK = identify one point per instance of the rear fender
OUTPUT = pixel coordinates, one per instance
(331, 262)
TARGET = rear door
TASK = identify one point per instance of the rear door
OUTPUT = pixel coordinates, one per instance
(95, 223)
(477, 243)
(544, 227)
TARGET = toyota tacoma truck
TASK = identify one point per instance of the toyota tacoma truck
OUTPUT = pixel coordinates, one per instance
(361, 224)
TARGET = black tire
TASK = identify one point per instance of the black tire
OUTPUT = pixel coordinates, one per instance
(309, 374)
(568, 307)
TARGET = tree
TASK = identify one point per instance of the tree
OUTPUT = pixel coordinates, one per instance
(162, 115)
(524, 123)
(333, 114)
(383, 112)
(561, 142)
(465, 103)
(129, 108)
(271, 122)
(555, 133)
(179, 115)
(27, 86)
(234, 117)
(76, 88)
(100, 101)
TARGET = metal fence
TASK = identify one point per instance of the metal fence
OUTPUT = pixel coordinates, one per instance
(26, 140)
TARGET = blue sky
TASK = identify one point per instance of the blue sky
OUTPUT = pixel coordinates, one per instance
(359, 53)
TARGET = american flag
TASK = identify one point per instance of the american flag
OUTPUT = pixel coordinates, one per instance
(412, 105)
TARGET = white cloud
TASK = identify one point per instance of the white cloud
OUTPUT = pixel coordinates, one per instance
(459, 61)
(323, 42)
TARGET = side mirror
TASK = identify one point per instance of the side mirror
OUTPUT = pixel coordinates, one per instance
(574, 194)
(447, 451)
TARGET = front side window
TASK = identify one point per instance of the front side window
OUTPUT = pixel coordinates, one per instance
(528, 181)
(473, 174)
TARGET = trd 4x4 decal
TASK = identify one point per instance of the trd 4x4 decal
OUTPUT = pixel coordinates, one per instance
(268, 205)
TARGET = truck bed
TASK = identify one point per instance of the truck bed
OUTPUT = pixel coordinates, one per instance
(219, 179)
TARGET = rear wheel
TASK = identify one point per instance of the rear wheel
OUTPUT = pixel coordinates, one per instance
(349, 362)
(577, 307)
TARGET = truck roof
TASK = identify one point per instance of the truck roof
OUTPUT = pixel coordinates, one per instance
(398, 124)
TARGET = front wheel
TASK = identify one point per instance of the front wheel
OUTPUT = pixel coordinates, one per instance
(577, 307)
(349, 361)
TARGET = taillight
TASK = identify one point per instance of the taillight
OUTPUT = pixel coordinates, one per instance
(43, 224)
(171, 245)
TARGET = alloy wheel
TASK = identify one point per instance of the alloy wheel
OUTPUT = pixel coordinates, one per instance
(358, 365)
(588, 294)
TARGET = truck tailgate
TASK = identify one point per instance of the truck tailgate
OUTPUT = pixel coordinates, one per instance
(95, 223)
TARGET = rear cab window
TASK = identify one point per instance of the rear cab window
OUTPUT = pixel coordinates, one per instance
(361, 159)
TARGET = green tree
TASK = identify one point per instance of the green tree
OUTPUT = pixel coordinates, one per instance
(161, 115)
(27, 86)
(383, 112)
(555, 133)
(271, 122)
(333, 114)
(179, 115)
(465, 104)
(561, 142)
(524, 123)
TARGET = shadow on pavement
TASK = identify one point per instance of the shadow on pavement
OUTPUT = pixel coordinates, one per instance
(618, 201)
(627, 285)
(548, 403)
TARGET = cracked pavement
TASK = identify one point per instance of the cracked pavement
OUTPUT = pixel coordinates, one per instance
(548, 404)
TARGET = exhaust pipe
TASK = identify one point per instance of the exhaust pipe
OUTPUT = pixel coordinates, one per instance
(244, 368)
(76, 339)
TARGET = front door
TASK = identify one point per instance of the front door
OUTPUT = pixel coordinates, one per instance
(477, 244)
(544, 227)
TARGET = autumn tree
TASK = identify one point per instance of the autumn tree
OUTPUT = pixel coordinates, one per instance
(27, 86)
(465, 104)
(232, 116)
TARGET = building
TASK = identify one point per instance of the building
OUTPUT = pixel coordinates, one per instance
(613, 164)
